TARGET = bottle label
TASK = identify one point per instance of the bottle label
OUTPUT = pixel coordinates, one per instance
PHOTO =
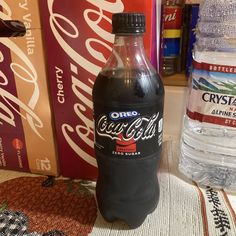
(129, 133)
(171, 47)
(172, 30)
(212, 97)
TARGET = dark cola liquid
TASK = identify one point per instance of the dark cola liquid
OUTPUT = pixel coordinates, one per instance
(128, 111)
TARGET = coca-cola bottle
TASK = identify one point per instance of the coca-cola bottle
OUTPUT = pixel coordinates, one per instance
(172, 32)
(128, 98)
(11, 28)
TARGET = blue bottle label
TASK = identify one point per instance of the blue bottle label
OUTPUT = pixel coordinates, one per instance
(171, 47)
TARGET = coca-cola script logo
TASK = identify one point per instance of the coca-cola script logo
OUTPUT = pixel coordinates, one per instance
(139, 128)
(84, 130)
(25, 72)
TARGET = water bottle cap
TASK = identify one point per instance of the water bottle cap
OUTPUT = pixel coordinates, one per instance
(128, 23)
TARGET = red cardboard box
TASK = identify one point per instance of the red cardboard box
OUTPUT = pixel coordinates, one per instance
(26, 130)
(78, 41)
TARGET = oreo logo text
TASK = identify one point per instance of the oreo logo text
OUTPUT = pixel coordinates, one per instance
(122, 115)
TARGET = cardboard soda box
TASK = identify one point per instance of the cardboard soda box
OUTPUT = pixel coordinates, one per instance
(78, 42)
(26, 130)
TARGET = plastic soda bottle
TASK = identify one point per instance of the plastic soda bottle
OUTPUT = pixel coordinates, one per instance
(128, 98)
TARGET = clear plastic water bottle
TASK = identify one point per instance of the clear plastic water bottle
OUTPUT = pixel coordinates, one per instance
(208, 140)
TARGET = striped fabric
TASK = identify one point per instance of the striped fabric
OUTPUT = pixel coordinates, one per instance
(184, 208)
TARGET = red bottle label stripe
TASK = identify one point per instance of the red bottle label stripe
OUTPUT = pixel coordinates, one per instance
(214, 67)
(211, 119)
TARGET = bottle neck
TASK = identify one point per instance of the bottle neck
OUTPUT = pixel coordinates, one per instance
(128, 52)
(174, 3)
(129, 41)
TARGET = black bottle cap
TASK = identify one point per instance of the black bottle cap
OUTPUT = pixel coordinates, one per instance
(12, 28)
(128, 23)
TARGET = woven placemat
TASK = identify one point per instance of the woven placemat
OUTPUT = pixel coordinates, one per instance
(184, 208)
(44, 207)
(32, 205)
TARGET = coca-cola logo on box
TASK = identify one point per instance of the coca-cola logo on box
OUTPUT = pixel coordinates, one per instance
(25, 115)
(23, 70)
(78, 42)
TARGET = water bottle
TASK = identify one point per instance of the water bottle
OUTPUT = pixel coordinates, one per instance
(208, 140)
(128, 97)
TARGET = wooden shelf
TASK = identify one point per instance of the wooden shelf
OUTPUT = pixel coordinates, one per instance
(175, 80)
